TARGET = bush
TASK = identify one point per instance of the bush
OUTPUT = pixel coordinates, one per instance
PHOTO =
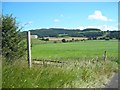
(13, 43)
(107, 38)
(72, 39)
(100, 38)
(83, 40)
(94, 38)
(55, 42)
(111, 38)
(44, 39)
(89, 38)
(63, 40)
(47, 39)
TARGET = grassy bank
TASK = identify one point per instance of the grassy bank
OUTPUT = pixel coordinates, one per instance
(85, 74)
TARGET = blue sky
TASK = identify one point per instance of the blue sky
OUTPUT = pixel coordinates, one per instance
(74, 15)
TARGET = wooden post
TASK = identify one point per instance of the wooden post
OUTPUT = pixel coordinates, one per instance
(105, 56)
(29, 49)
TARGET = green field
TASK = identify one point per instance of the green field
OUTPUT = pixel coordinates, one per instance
(74, 50)
(85, 68)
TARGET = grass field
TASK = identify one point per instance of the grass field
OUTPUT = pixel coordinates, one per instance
(86, 67)
(75, 50)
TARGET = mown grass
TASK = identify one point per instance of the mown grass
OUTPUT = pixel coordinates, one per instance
(85, 66)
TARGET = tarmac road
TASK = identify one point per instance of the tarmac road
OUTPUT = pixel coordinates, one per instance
(113, 83)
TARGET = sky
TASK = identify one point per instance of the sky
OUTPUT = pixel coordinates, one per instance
(60, 0)
(69, 15)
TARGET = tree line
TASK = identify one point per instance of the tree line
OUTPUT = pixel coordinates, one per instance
(91, 33)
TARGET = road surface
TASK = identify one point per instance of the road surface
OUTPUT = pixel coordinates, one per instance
(113, 83)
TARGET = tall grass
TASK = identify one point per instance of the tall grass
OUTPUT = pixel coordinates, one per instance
(85, 74)
(0, 72)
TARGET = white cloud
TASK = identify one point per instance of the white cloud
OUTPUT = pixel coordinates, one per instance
(98, 16)
(110, 20)
(102, 27)
(56, 20)
(81, 27)
(105, 27)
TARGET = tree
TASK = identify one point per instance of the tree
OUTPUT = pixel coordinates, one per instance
(13, 43)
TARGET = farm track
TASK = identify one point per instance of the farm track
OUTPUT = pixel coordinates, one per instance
(48, 62)
(63, 63)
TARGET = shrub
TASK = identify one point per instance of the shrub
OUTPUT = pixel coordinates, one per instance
(94, 38)
(47, 39)
(44, 39)
(107, 38)
(55, 42)
(72, 39)
(13, 43)
(63, 40)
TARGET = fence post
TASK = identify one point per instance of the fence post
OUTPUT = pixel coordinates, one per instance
(29, 49)
(105, 56)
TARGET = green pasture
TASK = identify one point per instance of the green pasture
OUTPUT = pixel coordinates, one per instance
(74, 50)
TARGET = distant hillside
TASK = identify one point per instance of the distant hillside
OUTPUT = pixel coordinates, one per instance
(54, 32)
(91, 30)
(88, 32)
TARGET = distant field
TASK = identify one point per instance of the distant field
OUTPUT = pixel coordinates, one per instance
(67, 38)
(74, 50)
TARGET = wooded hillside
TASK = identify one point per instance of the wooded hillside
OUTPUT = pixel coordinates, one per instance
(89, 33)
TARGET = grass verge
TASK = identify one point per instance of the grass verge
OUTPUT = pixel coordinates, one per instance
(84, 74)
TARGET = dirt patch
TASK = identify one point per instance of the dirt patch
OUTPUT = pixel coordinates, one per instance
(66, 38)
